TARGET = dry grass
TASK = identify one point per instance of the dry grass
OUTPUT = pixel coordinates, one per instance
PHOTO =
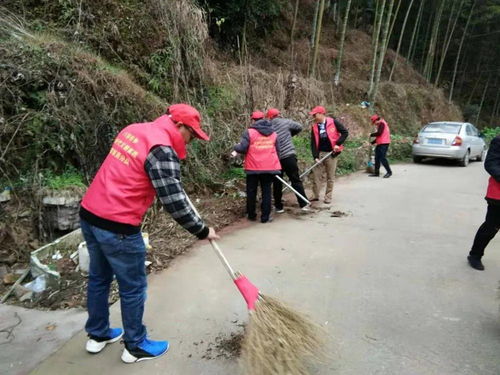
(280, 341)
(186, 31)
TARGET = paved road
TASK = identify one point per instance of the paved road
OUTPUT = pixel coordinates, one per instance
(27, 337)
(390, 282)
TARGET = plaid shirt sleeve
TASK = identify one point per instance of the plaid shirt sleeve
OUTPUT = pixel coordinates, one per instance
(163, 167)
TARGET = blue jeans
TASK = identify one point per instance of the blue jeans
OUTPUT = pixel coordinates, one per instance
(121, 255)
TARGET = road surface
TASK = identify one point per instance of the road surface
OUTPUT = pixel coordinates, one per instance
(389, 281)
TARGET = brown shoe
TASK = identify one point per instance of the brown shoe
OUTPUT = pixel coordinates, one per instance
(328, 201)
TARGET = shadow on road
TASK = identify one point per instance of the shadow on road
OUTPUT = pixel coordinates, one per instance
(442, 162)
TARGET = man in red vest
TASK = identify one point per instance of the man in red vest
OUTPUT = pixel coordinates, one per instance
(327, 135)
(144, 162)
(260, 146)
(491, 225)
(382, 140)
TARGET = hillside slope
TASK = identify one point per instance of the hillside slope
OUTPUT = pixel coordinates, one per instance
(164, 60)
(75, 72)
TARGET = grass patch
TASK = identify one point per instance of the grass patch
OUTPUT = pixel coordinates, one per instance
(489, 134)
(302, 143)
(234, 173)
(70, 178)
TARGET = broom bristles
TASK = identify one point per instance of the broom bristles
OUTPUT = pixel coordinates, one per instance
(280, 340)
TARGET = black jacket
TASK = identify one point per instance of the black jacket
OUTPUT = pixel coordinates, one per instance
(343, 135)
(492, 164)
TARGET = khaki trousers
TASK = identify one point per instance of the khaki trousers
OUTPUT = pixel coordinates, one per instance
(330, 166)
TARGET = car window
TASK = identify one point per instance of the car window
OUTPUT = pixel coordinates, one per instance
(442, 127)
(468, 130)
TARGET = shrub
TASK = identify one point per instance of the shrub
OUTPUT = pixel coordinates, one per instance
(490, 133)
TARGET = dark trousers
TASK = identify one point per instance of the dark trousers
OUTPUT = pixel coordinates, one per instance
(265, 180)
(288, 166)
(486, 231)
(380, 157)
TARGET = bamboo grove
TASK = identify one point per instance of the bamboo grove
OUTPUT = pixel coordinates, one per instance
(454, 44)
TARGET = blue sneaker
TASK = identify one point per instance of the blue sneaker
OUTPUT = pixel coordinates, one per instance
(147, 349)
(96, 344)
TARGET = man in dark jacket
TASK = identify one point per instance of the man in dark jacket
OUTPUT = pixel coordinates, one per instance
(327, 135)
(260, 145)
(286, 129)
(490, 227)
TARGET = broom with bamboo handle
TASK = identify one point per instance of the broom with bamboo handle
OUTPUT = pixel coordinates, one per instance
(278, 340)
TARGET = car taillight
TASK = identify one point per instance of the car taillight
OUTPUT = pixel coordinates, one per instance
(457, 141)
(416, 140)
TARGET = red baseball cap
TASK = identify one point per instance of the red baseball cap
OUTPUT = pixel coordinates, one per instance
(188, 116)
(257, 115)
(318, 109)
(374, 118)
(272, 113)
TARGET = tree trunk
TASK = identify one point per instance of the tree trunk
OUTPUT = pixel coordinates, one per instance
(447, 41)
(292, 37)
(464, 67)
(381, 54)
(450, 98)
(315, 22)
(317, 37)
(334, 17)
(426, 39)
(379, 12)
(429, 62)
(450, 18)
(393, 23)
(416, 30)
(339, 17)
(476, 84)
(356, 17)
(495, 106)
(402, 33)
(482, 99)
(342, 40)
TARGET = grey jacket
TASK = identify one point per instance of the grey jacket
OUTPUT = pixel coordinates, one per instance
(285, 129)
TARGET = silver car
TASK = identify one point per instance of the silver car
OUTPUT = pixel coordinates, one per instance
(450, 140)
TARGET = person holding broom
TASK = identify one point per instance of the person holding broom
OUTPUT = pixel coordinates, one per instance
(327, 136)
(260, 145)
(286, 129)
(144, 161)
(382, 140)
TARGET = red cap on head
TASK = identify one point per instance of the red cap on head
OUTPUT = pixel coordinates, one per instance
(272, 113)
(189, 116)
(318, 109)
(257, 115)
(374, 118)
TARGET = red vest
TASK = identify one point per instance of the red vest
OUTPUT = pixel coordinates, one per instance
(261, 154)
(493, 189)
(121, 190)
(385, 137)
(331, 131)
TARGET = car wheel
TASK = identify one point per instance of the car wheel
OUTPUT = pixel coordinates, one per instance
(465, 160)
(417, 159)
(482, 155)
